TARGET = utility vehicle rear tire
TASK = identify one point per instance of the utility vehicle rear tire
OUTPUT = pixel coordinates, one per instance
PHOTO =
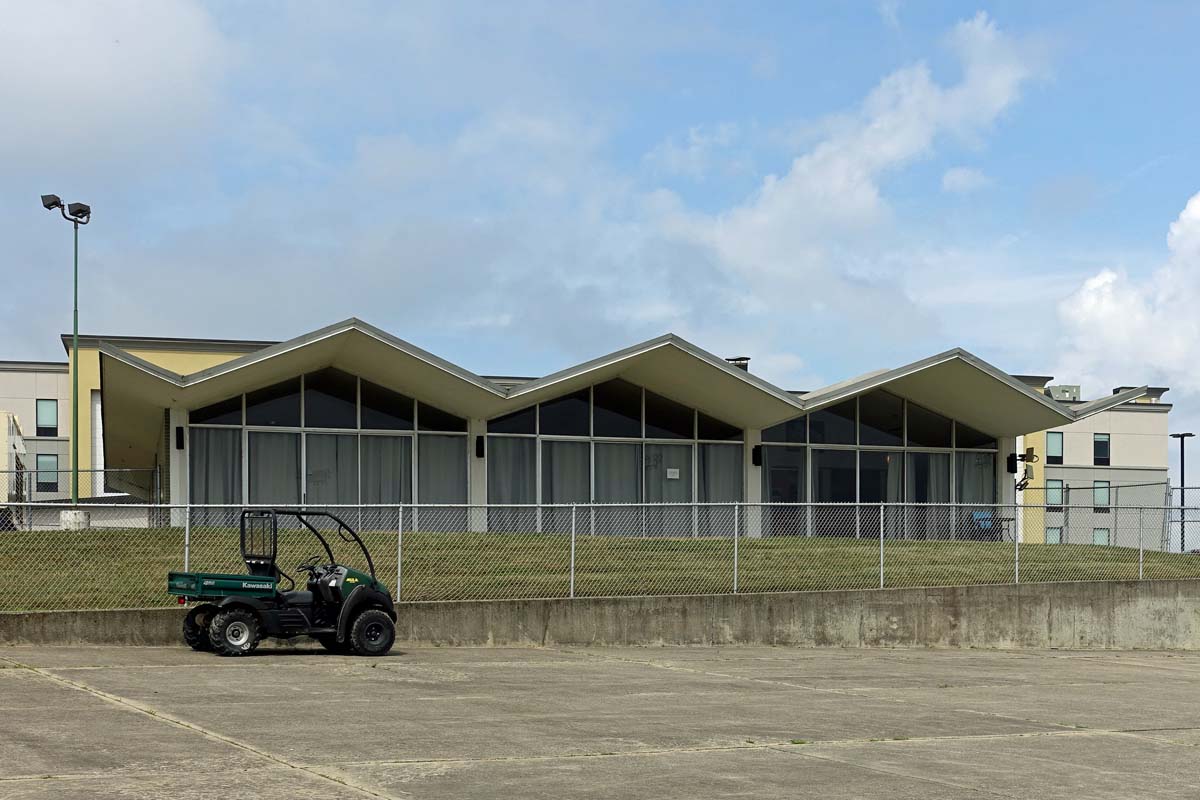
(195, 627)
(234, 633)
(372, 633)
(329, 642)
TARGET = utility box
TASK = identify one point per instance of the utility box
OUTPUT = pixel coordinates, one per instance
(1066, 392)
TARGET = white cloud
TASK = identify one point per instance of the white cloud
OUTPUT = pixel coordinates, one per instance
(694, 157)
(964, 180)
(821, 229)
(465, 194)
(1125, 329)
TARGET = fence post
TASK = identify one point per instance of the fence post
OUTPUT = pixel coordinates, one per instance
(572, 594)
(399, 550)
(187, 537)
(735, 548)
(1016, 551)
(881, 545)
(1141, 550)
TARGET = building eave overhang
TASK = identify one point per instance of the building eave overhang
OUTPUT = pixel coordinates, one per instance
(667, 364)
(955, 383)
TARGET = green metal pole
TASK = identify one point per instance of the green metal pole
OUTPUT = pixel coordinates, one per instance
(75, 383)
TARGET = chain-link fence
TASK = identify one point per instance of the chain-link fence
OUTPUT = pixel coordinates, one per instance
(55, 556)
(54, 485)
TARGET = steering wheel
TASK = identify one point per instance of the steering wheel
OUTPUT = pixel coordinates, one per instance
(309, 565)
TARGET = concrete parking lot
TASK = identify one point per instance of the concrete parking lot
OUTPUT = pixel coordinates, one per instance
(615, 723)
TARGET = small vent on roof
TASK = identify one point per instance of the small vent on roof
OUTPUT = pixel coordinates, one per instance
(741, 362)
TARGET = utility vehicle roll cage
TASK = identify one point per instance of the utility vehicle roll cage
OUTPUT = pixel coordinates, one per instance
(260, 537)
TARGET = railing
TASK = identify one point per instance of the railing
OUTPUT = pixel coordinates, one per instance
(95, 485)
(119, 555)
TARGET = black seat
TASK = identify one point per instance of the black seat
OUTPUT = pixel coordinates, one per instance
(297, 598)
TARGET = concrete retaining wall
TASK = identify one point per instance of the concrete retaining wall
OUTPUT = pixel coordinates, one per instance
(1102, 615)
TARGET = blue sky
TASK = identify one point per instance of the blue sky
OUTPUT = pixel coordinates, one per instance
(825, 187)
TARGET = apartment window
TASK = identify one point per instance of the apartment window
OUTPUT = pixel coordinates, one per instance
(47, 472)
(1100, 535)
(1054, 495)
(1053, 535)
(47, 418)
(1054, 447)
(1100, 496)
(1100, 449)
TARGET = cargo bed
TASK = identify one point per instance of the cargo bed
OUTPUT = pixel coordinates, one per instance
(201, 585)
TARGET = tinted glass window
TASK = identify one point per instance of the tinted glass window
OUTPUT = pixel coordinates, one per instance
(383, 409)
(1100, 451)
(666, 419)
(710, 428)
(833, 425)
(226, 412)
(784, 471)
(618, 409)
(880, 419)
(523, 421)
(880, 478)
(566, 416)
(330, 399)
(971, 438)
(47, 417)
(794, 431)
(928, 478)
(833, 476)
(275, 405)
(927, 429)
(1054, 447)
(434, 419)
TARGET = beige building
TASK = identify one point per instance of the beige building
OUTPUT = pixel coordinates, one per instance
(1092, 471)
(38, 396)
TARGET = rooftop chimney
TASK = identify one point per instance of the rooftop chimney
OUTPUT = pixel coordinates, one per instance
(741, 362)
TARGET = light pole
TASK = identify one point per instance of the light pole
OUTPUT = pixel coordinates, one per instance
(1182, 437)
(77, 214)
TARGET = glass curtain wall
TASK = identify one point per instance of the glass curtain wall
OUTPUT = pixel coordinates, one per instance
(615, 443)
(326, 438)
(877, 448)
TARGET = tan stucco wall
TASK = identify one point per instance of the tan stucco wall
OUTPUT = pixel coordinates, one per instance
(183, 362)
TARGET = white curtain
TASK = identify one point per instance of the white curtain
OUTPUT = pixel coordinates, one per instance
(274, 468)
(566, 472)
(215, 465)
(331, 469)
(386, 469)
(512, 469)
(668, 473)
(928, 478)
(442, 468)
(720, 473)
(976, 477)
(618, 473)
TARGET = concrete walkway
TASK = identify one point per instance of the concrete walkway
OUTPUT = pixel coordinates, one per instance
(95, 722)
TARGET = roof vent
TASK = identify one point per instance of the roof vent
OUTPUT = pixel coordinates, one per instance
(741, 362)
(1066, 392)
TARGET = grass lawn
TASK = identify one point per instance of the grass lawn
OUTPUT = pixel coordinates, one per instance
(127, 568)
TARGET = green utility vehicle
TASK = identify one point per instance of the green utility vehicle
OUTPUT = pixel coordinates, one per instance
(346, 610)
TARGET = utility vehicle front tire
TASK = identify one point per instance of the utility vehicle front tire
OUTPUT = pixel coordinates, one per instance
(372, 633)
(195, 627)
(234, 632)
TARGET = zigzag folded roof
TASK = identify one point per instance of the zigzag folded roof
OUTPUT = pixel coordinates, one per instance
(954, 383)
